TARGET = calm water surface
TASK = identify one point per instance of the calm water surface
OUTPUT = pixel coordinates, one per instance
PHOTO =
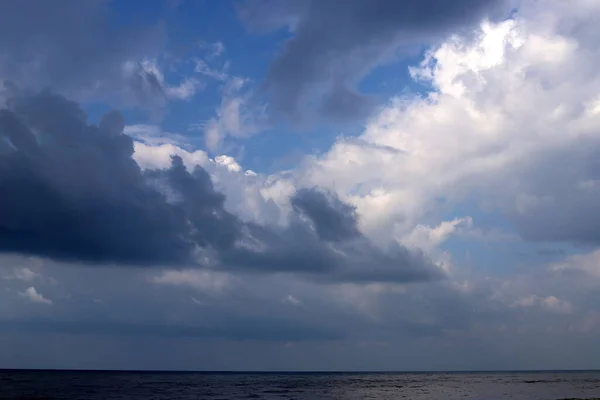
(187, 386)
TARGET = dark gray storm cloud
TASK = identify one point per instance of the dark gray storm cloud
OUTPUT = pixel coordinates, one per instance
(72, 46)
(72, 191)
(335, 43)
(333, 219)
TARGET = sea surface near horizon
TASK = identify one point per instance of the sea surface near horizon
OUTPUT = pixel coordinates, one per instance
(109, 385)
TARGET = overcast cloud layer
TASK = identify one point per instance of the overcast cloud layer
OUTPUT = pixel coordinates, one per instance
(459, 230)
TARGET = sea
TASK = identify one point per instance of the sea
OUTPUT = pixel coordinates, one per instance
(104, 385)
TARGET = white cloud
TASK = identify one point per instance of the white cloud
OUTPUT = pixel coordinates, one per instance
(427, 238)
(32, 294)
(250, 195)
(511, 123)
(229, 163)
(153, 148)
(185, 90)
(237, 116)
(159, 156)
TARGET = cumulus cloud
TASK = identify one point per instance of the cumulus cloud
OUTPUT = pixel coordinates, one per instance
(153, 148)
(159, 156)
(325, 250)
(509, 126)
(334, 46)
(34, 296)
(107, 186)
(109, 210)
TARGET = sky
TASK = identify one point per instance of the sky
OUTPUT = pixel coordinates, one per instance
(300, 185)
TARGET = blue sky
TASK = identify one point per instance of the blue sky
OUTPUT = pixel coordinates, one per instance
(194, 28)
(296, 185)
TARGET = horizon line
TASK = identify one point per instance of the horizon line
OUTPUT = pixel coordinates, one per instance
(291, 372)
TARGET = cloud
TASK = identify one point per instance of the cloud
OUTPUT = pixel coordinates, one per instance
(333, 47)
(509, 127)
(228, 162)
(73, 47)
(549, 303)
(327, 248)
(149, 85)
(109, 210)
(201, 280)
(32, 294)
(215, 49)
(586, 263)
(203, 65)
(159, 156)
(24, 274)
(152, 135)
(462, 311)
(203, 68)
(333, 220)
(428, 238)
(238, 115)
(291, 300)
(507, 139)
(125, 219)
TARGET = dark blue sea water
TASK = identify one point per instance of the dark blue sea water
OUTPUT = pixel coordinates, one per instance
(73, 385)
